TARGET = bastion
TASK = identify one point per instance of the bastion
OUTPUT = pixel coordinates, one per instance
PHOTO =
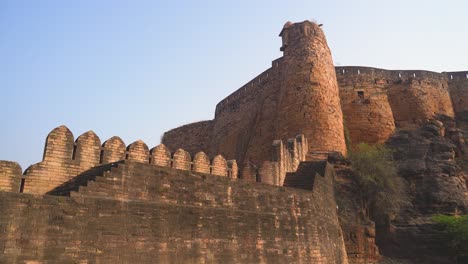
(304, 93)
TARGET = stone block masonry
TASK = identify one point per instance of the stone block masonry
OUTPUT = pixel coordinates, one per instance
(142, 213)
(10, 176)
(65, 158)
(376, 101)
(458, 86)
(303, 93)
(298, 94)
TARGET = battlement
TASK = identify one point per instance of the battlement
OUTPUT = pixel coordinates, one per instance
(65, 158)
(358, 74)
(251, 88)
(457, 76)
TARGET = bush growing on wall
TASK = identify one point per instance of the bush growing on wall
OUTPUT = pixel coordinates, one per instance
(376, 175)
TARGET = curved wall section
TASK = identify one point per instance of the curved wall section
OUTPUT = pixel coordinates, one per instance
(458, 86)
(310, 102)
(193, 137)
(375, 101)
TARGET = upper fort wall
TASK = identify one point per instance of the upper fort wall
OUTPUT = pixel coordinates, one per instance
(242, 121)
(195, 136)
(304, 93)
(458, 86)
(375, 101)
(271, 107)
(251, 88)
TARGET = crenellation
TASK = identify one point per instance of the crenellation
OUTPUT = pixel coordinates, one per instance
(87, 150)
(113, 150)
(161, 156)
(201, 163)
(66, 158)
(219, 166)
(59, 144)
(182, 160)
(138, 151)
(10, 176)
(233, 169)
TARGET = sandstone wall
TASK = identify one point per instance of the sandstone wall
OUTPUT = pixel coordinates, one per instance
(290, 98)
(140, 213)
(309, 96)
(192, 137)
(367, 113)
(65, 158)
(244, 129)
(10, 176)
(375, 101)
(458, 86)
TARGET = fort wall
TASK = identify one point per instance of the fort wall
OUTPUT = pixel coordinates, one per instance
(280, 103)
(375, 101)
(309, 95)
(149, 214)
(191, 137)
(65, 158)
(242, 128)
(458, 86)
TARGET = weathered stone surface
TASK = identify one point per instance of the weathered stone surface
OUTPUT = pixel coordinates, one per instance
(10, 176)
(141, 213)
(280, 103)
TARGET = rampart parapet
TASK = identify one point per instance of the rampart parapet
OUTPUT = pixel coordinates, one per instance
(65, 158)
(251, 88)
(376, 101)
(358, 74)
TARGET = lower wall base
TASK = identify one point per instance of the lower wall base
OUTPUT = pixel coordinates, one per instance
(288, 228)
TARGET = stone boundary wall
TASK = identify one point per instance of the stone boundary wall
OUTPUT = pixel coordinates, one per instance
(10, 176)
(65, 158)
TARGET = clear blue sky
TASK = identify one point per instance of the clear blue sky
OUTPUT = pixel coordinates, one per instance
(138, 68)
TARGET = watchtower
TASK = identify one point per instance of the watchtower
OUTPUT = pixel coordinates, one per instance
(309, 95)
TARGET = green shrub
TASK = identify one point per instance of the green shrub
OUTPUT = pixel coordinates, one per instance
(454, 231)
(376, 175)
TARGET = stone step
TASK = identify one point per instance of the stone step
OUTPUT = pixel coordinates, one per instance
(304, 177)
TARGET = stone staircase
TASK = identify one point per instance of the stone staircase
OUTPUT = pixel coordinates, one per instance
(83, 179)
(304, 177)
(135, 181)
